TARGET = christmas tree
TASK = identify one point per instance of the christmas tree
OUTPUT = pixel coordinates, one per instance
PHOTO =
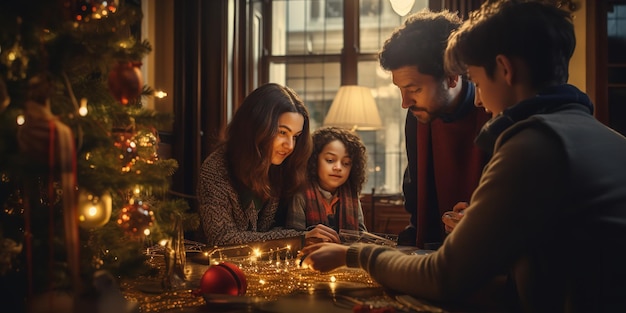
(82, 186)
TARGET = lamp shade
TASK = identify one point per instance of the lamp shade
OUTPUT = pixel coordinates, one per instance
(354, 108)
(402, 7)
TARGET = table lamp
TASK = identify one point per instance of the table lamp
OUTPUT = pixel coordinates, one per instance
(402, 7)
(353, 108)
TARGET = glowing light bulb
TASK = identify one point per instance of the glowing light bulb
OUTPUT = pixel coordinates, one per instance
(160, 94)
(82, 111)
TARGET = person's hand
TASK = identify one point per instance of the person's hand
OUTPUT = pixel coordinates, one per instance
(321, 233)
(451, 218)
(323, 257)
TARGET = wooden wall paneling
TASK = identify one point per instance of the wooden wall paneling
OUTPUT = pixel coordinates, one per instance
(597, 58)
(435, 5)
(186, 34)
(266, 15)
(213, 58)
(240, 66)
(199, 87)
(350, 51)
(385, 214)
(461, 6)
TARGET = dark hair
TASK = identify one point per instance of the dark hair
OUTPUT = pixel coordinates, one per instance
(250, 137)
(354, 146)
(540, 34)
(420, 42)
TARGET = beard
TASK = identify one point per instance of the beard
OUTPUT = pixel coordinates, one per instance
(443, 105)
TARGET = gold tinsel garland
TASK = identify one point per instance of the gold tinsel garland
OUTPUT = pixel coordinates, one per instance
(267, 281)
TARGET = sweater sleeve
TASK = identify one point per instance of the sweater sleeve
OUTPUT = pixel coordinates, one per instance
(296, 218)
(515, 201)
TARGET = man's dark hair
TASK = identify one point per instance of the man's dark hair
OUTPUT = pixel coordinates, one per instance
(420, 42)
(538, 33)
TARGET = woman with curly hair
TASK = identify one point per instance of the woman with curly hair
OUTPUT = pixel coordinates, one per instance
(337, 172)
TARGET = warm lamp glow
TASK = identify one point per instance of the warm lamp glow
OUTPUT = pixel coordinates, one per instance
(354, 108)
(402, 7)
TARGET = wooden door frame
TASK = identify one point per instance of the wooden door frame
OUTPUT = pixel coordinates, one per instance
(597, 58)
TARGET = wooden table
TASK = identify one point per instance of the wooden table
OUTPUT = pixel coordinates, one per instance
(276, 283)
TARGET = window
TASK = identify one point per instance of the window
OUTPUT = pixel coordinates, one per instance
(334, 8)
(305, 53)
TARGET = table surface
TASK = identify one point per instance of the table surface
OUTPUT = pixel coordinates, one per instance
(272, 286)
(276, 283)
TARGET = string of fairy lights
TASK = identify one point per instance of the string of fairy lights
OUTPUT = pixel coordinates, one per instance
(270, 274)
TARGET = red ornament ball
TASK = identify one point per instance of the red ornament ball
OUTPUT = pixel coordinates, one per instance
(125, 81)
(135, 218)
(224, 278)
(127, 146)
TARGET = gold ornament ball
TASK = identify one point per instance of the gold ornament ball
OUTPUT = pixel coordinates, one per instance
(93, 211)
(147, 145)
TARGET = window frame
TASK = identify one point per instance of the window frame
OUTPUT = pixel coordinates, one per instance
(349, 59)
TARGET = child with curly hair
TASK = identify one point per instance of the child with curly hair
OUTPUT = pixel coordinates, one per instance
(336, 173)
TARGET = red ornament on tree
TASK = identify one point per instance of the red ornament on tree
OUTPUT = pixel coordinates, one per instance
(135, 218)
(127, 146)
(224, 278)
(125, 81)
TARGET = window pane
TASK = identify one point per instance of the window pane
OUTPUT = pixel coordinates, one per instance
(616, 32)
(302, 27)
(315, 83)
(378, 20)
(334, 9)
(307, 36)
(386, 149)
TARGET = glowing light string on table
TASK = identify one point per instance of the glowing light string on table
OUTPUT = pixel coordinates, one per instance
(270, 273)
